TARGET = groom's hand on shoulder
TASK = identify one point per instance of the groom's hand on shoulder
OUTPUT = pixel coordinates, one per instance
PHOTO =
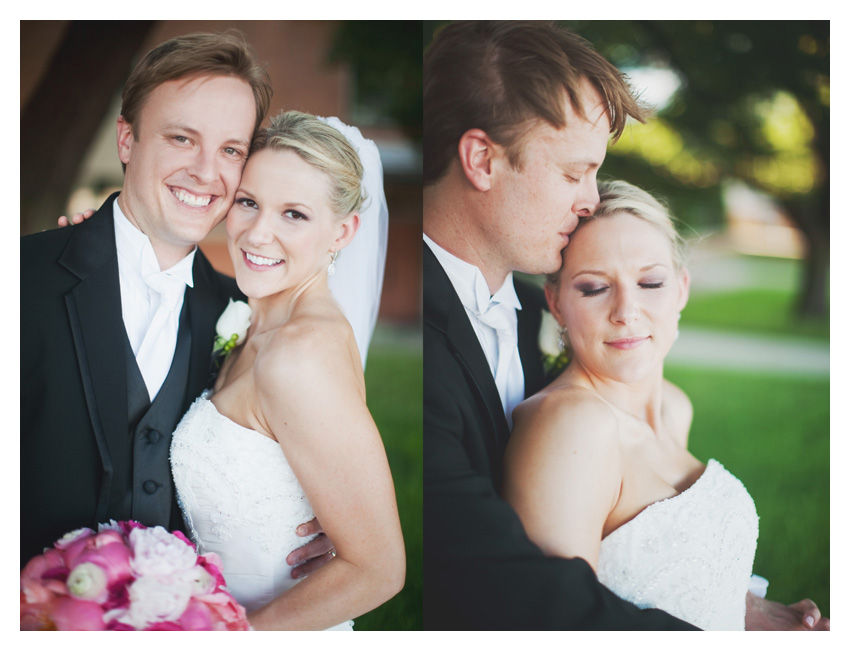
(314, 554)
(76, 218)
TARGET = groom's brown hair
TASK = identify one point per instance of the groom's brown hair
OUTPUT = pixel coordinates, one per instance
(503, 77)
(193, 55)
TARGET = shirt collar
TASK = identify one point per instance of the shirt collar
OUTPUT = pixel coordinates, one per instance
(469, 282)
(136, 248)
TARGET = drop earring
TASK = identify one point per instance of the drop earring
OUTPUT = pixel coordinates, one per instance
(562, 346)
(332, 265)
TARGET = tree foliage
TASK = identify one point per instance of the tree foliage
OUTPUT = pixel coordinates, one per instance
(753, 105)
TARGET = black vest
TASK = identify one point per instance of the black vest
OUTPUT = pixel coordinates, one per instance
(143, 489)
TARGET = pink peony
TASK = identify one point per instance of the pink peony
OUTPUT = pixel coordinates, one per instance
(196, 617)
(226, 613)
(46, 566)
(71, 614)
(110, 554)
(212, 564)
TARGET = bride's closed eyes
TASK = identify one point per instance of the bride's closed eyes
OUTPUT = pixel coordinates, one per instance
(595, 290)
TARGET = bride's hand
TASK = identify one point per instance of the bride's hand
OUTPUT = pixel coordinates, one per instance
(76, 218)
(314, 554)
(764, 615)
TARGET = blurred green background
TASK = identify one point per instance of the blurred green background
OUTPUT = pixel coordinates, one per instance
(394, 396)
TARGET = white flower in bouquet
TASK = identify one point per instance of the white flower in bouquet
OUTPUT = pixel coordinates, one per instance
(156, 599)
(88, 581)
(157, 552)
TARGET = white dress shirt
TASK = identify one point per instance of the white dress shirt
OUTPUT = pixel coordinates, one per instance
(484, 311)
(137, 267)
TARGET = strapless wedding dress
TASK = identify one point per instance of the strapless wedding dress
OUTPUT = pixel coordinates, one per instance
(241, 500)
(690, 555)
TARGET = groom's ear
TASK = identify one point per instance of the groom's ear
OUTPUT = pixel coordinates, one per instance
(475, 150)
(125, 139)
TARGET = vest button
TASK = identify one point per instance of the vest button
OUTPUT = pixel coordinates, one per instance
(150, 486)
(154, 436)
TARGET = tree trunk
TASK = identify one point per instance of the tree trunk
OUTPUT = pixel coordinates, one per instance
(62, 117)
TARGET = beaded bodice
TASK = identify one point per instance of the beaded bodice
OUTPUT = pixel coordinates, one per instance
(241, 500)
(690, 555)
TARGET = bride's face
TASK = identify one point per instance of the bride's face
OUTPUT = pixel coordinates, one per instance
(619, 297)
(281, 229)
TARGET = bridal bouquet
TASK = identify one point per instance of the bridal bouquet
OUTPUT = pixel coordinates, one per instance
(127, 577)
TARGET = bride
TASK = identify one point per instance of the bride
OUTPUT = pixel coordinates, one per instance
(286, 434)
(597, 465)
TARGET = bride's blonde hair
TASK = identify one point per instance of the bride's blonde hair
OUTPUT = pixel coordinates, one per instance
(323, 147)
(619, 196)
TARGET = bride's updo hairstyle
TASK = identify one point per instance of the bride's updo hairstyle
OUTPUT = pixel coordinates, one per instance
(323, 147)
(617, 197)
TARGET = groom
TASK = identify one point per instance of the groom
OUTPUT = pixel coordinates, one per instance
(515, 130)
(118, 314)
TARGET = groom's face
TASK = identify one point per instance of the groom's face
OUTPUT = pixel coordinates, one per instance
(540, 204)
(184, 158)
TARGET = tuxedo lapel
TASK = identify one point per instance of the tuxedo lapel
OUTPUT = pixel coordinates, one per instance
(444, 311)
(207, 299)
(97, 327)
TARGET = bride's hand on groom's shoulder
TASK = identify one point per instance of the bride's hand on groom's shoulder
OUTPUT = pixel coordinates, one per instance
(76, 218)
(764, 615)
(314, 554)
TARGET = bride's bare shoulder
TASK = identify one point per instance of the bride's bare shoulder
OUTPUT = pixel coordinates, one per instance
(319, 339)
(568, 413)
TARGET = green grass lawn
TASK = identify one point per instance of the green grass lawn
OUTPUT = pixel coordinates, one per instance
(773, 434)
(766, 311)
(394, 395)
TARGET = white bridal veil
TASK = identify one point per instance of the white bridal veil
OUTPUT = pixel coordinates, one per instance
(359, 276)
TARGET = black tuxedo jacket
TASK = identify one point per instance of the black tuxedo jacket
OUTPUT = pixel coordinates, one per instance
(74, 399)
(480, 569)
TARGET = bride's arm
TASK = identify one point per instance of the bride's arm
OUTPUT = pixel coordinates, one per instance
(562, 473)
(312, 398)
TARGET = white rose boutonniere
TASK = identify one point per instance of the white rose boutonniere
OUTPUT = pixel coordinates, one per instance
(551, 345)
(231, 327)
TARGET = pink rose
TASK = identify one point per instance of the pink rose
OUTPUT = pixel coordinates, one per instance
(49, 565)
(196, 617)
(111, 555)
(213, 565)
(71, 614)
(226, 613)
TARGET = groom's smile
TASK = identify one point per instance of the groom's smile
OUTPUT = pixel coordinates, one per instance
(192, 200)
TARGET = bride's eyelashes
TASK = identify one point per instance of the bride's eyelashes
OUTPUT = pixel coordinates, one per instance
(245, 202)
(591, 290)
(295, 215)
